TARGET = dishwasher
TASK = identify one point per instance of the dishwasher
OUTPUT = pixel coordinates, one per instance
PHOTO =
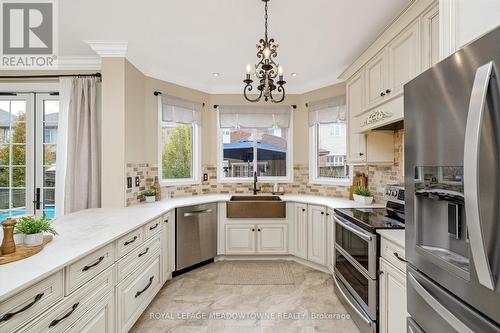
(195, 236)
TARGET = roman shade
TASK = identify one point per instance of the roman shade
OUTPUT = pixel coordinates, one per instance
(327, 111)
(254, 116)
(178, 110)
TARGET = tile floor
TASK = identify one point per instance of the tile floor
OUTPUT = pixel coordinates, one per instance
(194, 303)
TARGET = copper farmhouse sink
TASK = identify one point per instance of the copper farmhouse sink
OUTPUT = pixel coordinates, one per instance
(259, 206)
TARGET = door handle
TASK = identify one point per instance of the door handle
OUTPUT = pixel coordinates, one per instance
(358, 233)
(198, 212)
(56, 321)
(37, 198)
(449, 317)
(486, 77)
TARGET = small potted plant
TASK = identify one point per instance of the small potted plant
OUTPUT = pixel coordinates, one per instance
(363, 196)
(33, 229)
(150, 195)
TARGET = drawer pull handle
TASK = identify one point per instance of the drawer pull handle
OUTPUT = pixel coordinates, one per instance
(86, 268)
(130, 241)
(399, 258)
(57, 321)
(154, 227)
(9, 315)
(137, 294)
(143, 253)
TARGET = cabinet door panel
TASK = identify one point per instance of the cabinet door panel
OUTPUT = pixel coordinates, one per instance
(300, 231)
(272, 238)
(430, 37)
(317, 235)
(404, 58)
(376, 70)
(240, 239)
(355, 104)
(392, 299)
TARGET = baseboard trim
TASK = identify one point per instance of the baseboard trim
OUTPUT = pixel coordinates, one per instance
(288, 257)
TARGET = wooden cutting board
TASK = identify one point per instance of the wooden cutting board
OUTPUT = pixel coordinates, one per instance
(359, 180)
(23, 251)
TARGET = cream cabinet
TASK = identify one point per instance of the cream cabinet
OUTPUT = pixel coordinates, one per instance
(392, 298)
(462, 21)
(316, 235)
(430, 37)
(355, 90)
(272, 239)
(330, 242)
(240, 239)
(300, 230)
(376, 79)
(167, 247)
(100, 319)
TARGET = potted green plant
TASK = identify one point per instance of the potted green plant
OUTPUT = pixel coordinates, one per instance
(150, 195)
(363, 196)
(33, 229)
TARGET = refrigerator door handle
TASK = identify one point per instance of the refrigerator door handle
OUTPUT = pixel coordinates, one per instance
(449, 317)
(484, 75)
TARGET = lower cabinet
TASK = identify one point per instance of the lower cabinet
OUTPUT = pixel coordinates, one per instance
(392, 298)
(100, 319)
(330, 242)
(266, 238)
(300, 230)
(135, 292)
(167, 248)
(316, 235)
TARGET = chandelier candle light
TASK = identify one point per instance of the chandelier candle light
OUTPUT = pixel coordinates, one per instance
(266, 70)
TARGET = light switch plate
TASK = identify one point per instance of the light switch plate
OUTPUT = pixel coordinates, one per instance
(129, 182)
(205, 177)
(137, 181)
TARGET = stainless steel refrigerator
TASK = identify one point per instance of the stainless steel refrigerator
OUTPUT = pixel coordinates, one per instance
(452, 180)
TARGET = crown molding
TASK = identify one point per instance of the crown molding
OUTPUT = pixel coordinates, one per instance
(109, 48)
(79, 62)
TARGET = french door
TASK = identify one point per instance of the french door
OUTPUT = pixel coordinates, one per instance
(28, 141)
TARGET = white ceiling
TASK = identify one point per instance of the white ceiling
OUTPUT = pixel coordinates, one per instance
(185, 41)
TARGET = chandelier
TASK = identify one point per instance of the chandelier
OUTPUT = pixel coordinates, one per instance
(266, 71)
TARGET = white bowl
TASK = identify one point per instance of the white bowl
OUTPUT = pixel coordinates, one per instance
(363, 200)
(150, 199)
(18, 239)
(33, 239)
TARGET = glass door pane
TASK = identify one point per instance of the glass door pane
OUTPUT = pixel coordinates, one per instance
(46, 143)
(15, 153)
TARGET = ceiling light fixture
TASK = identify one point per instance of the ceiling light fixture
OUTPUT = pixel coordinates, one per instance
(266, 70)
(294, 74)
(216, 74)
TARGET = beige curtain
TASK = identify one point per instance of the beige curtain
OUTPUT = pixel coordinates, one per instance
(82, 186)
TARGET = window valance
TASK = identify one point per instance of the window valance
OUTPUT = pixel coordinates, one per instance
(178, 110)
(327, 111)
(254, 116)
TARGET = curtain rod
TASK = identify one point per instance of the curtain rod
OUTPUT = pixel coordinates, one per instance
(293, 106)
(156, 93)
(55, 76)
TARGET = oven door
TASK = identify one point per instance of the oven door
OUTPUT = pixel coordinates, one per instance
(359, 245)
(361, 288)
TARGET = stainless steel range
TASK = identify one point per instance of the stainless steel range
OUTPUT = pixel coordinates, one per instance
(356, 255)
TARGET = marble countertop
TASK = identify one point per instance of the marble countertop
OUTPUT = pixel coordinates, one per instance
(397, 236)
(83, 232)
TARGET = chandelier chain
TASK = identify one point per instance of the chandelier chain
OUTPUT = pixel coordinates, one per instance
(266, 17)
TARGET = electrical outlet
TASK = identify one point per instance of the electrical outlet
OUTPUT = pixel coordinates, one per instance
(205, 177)
(129, 182)
(137, 181)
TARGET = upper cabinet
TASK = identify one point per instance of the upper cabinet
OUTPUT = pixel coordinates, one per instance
(375, 80)
(463, 21)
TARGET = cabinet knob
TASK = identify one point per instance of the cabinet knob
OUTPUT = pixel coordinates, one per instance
(253, 229)
(388, 91)
(382, 94)
(258, 230)
(361, 154)
(380, 272)
(303, 209)
(166, 221)
(322, 213)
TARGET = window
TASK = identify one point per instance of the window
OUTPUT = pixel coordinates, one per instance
(179, 141)
(328, 140)
(244, 148)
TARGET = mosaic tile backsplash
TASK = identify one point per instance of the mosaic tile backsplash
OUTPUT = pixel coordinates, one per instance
(378, 177)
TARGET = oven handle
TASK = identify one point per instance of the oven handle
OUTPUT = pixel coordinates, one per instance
(353, 306)
(352, 229)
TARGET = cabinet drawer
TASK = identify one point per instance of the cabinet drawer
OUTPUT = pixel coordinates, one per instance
(152, 228)
(100, 319)
(134, 293)
(85, 269)
(393, 253)
(129, 242)
(65, 314)
(24, 306)
(137, 257)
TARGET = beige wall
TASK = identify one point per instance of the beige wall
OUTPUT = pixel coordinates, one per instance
(135, 112)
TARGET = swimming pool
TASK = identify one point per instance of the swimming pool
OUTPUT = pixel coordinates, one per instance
(49, 212)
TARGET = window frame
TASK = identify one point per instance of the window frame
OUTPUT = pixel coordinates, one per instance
(313, 162)
(264, 179)
(196, 155)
